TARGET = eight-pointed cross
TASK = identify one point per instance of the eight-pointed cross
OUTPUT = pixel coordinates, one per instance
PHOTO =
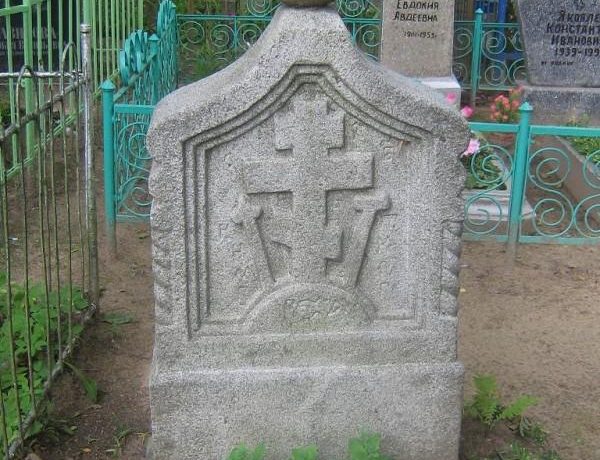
(309, 173)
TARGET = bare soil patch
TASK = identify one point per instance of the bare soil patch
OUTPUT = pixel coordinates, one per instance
(534, 324)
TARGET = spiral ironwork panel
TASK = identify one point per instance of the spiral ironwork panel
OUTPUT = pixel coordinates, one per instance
(489, 171)
(463, 51)
(148, 69)
(563, 186)
(499, 62)
(132, 165)
(207, 43)
(502, 62)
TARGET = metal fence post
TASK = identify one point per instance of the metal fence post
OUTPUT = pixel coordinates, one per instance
(519, 178)
(91, 218)
(476, 54)
(157, 84)
(29, 82)
(108, 109)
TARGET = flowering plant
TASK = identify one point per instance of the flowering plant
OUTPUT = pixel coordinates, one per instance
(506, 109)
(482, 172)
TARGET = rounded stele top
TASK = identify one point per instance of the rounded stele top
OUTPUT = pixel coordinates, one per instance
(306, 3)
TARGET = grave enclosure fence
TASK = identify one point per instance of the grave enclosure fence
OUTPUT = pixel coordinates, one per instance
(48, 238)
(35, 33)
(525, 206)
(534, 183)
(148, 72)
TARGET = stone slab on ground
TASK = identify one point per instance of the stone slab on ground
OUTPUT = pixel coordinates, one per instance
(560, 105)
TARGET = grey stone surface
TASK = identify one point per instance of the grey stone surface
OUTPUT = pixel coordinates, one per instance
(306, 3)
(306, 233)
(562, 42)
(557, 104)
(445, 86)
(417, 37)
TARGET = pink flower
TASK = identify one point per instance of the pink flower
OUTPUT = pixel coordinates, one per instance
(451, 98)
(467, 111)
(472, 148)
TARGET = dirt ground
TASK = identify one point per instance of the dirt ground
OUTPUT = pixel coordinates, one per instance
(534, 324)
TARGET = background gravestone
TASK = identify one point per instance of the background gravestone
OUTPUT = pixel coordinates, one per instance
(562, 48)
(306, 227)
(49, 27)
(417, 41)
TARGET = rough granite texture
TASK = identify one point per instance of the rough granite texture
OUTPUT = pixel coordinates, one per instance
(417, 37)
(561, 42)
(557, 105)
(306, 230)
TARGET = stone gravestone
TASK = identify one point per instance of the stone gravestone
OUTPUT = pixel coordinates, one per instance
(306, 232)
(417, 41)
(43, 37)
(562, 48)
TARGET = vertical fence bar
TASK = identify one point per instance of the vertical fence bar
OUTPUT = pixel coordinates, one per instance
(28, 60)
(476, 54)
(519, 179)
(155, 65)
(140, 14)
(108, 93)
(87, 11)
(91, 222)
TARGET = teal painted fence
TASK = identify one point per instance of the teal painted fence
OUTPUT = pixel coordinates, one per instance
(148, 72)
(528, 182)
(487, 56)
(534, 183)
(209, 42)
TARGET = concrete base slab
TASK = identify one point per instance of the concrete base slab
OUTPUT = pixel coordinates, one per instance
(559, 105)
(416, 408)
(445, 86)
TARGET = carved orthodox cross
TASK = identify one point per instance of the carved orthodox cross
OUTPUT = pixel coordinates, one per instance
(309, 130)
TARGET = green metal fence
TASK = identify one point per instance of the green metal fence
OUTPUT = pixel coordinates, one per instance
(488, 56)
(528, 182)
(48, 252)
(534, 183)
(209, 42)
(148, 71)
(35, 33)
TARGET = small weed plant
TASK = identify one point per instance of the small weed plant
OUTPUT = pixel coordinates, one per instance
(518, 452)
(488, 408)
(20, 387)
(242, 452)
(586, 146)
(365, 447)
